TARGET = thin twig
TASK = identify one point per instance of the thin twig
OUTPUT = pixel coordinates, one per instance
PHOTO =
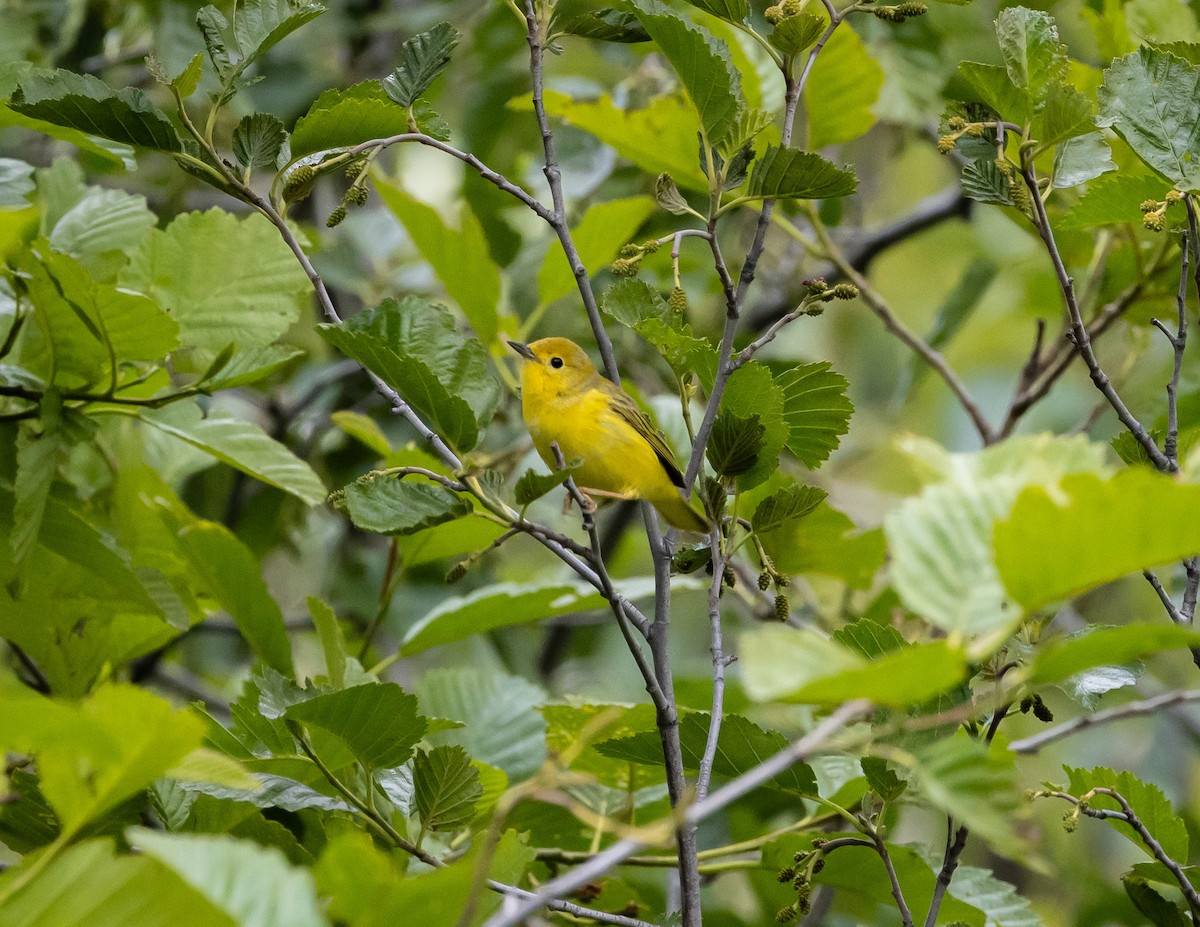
(1163, 596)
(877, 304)
(1079, 334)
(512, 912)
(1130, 817)
(956, 842)
(880, 847)
(719, 662)
(1132, 710)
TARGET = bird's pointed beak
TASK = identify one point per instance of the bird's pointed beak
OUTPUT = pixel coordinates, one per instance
(523, 350)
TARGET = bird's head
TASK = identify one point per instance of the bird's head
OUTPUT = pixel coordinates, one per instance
(553, 365)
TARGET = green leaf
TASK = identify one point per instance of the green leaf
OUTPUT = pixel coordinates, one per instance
(38, 454)
(1068, 113)
(1147, 801)
(16, 183)
(668, 197)
(107, 890)
(225, 569)
(344, 118)
(703, 65)
(792, 502)
(734, 11)
(973, 783)
(802, 666)
(83, 326)
(995, 89)
(241, 444)
(386, 504)
(446, 787)
(753, 393)
(815, 409)
(1091, 530)
(683, 351)
(422, 59)
(869, 637)
(252, 884)
(1114, 200)
(87, 104)
(1159, 911)
(796, 33)
(102, 222)
(503, 605)
(943, 564)
(379, 722)
(95, 755)
(1062, 658)
(187, 80)
(502, 726)
(882, 778)
(741, 745)
(460, 258)
(213, 26)
(604, 25)
(363, 429)
(258, 139)
(845, 84)
(260, 25)
(605, 227)
(415, 347)
(658, 137)
(532, 485)
(776, 661)
(789, 173)
(735, 443)
(984, 182)
(250, 366)
(632, 300)
(333, 642)
(828, 543)
(1152, 100)
(253, 301)
(1080, 159)
(1033, 56)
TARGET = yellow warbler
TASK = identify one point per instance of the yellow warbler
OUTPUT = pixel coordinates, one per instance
(565, 399)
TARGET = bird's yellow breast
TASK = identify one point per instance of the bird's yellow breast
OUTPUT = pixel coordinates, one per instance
(614, 456)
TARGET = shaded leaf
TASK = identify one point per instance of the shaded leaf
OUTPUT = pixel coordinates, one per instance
(604, 228)
(1062, 658)
(789, 173)
(1147, 801)
(1033, 56)
(532, 485)
(241, 444)
(446, 788)
(260, 25)
(703, 65)
(735, 443)
(87, 104)
(387, 504)
(415, 346)
(845, 85)
(343, 118)
(984, 182)
(258, 139)
(422, 59)
(788, 504)
(380, 723)
(605, 25)
(815, 409)
(795, 33)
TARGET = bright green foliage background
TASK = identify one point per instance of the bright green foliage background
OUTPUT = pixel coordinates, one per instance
(236, 683)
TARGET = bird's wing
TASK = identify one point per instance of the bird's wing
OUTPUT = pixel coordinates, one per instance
(623, 404)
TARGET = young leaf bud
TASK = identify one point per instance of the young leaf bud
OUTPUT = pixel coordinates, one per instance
(1071, 820)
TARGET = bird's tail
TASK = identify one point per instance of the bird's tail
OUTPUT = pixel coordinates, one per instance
(679, 514)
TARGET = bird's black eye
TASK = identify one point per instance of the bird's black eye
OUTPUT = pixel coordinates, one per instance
(556, 362)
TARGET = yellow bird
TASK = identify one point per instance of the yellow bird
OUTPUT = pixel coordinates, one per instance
(564, 399)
